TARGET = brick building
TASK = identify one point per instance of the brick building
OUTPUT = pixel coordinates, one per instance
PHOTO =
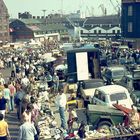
(4, 23)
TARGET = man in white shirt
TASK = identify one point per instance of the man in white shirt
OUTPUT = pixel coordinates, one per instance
(61, 101)
(25, 83)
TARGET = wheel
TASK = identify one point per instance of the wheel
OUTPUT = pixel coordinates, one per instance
(104, 125)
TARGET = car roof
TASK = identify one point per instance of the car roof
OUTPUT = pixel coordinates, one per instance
(115, 68)
(111, 89)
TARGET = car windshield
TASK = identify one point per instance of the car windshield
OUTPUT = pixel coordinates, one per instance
(93, 85)
(136, 85)
(118, 96)
(118, 73)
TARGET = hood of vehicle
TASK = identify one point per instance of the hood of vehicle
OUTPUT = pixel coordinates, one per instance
(89, 92)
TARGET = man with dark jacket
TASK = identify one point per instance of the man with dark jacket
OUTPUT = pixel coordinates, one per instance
(3, 102)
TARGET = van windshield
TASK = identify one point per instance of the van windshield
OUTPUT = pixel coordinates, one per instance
(118, 96)
(118, 73)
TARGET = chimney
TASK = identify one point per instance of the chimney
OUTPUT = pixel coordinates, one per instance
(19, 15)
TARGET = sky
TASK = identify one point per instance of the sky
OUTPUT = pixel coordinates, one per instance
(35, 7)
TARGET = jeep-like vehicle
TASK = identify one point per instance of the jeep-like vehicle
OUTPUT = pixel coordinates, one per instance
(98, 116)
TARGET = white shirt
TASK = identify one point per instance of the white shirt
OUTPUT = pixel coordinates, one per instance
(61, 100)
(25, 81)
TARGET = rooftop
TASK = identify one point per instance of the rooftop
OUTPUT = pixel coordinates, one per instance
(112, 19)
(112, 89)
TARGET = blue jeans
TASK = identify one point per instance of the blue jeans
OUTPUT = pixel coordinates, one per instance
(62, 117)
(8, 106)
(12, 102)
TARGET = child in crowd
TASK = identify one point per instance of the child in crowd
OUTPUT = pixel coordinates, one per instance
(72, 118)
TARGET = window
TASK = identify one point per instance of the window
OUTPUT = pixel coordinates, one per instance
(118, 32)
(81, 31)
(136, 85)
(99, 95)
(130, 27)
(95, 31)
(118, 96)
(113, 31)
(99, 31)
(130, 10)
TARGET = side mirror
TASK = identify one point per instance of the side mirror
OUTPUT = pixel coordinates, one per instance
(137, 101)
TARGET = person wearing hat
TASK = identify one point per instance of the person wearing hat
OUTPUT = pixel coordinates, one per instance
(3, 102)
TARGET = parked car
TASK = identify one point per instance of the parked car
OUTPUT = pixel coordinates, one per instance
(112, 74)
(111, 94)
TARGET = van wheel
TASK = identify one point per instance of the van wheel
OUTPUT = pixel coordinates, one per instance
(104, 125)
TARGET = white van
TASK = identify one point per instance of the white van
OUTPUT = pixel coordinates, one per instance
(111, 94)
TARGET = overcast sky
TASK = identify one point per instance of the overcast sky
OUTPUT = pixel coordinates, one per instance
(35, 7)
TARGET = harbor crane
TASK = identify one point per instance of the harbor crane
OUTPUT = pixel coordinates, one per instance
(104, 11)
(116, 8)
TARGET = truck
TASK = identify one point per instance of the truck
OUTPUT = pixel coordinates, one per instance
(83, 64)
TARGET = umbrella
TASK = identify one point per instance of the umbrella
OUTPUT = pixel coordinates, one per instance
(50, 59)
(61, 67)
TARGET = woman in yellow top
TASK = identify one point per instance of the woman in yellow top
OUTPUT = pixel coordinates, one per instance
(4, 131)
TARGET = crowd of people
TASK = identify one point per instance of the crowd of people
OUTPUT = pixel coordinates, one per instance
(31, 78)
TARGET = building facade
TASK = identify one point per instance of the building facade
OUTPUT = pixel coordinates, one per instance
(130, 21)
(4, 23)
(26, 29)
(100, 28)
